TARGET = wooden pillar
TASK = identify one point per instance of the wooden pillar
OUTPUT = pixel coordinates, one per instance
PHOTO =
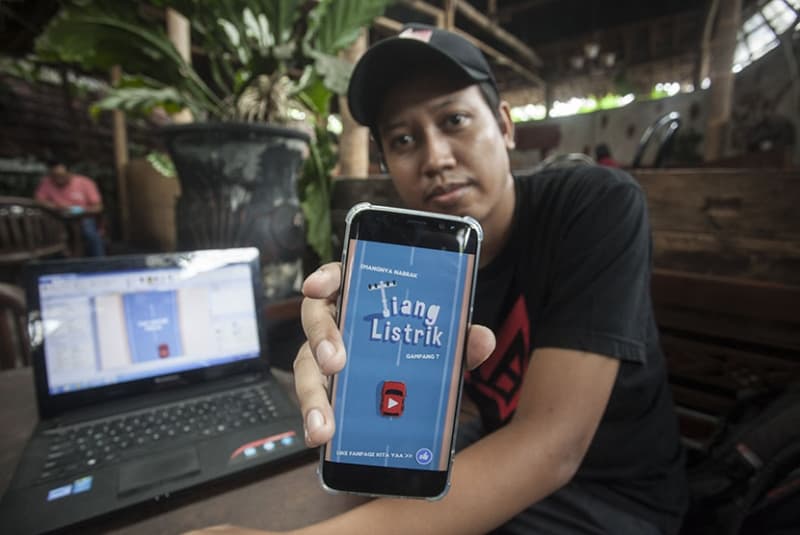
(354, 141)
(721, 75)
(179, 33)
(703, 62)
(120, 137)
(548, 99)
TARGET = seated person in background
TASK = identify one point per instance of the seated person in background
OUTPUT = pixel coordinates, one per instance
(73, 194)
(603, 156)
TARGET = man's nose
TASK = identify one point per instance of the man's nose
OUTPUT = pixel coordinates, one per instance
(438, 153)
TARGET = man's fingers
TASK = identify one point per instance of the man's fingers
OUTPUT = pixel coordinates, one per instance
(311, 388)
(324, 338)
(324, 282)
(480, 344)
(321, 355)
(318, 318)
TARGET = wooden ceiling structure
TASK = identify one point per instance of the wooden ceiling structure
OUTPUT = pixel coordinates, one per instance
(545, 50)
(538, 48)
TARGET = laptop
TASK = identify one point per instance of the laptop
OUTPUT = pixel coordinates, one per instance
(151, 377)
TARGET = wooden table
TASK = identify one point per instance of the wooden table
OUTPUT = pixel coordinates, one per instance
(278, 499)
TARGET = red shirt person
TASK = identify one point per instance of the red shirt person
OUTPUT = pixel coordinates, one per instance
(73, 194)
(603, 156)
(65, 191)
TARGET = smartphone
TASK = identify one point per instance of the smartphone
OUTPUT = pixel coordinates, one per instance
(404, 308)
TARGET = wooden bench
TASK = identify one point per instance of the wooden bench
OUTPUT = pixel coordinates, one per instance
(726, 287)
(727, 341)
(739, 223)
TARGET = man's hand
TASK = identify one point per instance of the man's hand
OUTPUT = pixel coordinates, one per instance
(323, 354)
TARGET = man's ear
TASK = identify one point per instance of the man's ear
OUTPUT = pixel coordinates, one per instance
(506, 124)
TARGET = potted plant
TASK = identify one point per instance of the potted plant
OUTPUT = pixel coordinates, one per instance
(265, 69)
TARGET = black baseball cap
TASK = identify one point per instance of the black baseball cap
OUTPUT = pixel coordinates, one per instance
(390, 60)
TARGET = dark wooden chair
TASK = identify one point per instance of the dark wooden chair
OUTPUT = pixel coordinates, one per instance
(14, 345)
(28, 231)
(656, 143)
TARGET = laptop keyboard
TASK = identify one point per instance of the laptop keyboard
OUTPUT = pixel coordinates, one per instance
(75, 449)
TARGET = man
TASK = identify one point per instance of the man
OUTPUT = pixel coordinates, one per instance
(73, 195)
(578, 432)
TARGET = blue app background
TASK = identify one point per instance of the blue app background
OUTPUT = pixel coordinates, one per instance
(152, 320)
(379, 335)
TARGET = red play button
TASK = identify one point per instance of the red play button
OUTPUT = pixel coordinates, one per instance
(393, 396)
(391, 402)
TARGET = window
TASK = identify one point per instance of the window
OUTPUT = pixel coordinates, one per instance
(779, 15)
(760, 31)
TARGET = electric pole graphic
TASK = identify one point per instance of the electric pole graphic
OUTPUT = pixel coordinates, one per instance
(382, 285)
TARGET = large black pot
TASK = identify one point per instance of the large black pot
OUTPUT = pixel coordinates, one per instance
(239, 188)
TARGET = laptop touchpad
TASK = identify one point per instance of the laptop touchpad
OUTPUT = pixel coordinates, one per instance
(155, 469)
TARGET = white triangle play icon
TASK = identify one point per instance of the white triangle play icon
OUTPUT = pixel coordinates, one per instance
(391, 403)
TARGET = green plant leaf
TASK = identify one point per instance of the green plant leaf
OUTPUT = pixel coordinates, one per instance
(337, 23)
(334, 71)
(316, 97)
(162, 163)
(140, 100)
(314, 190)
(281, 16)
(96, 41)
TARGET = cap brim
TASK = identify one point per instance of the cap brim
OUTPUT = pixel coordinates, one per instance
(385, 64)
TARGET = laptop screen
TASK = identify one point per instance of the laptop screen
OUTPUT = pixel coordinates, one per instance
(106, 327)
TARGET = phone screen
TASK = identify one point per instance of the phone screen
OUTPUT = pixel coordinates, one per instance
(405, 307)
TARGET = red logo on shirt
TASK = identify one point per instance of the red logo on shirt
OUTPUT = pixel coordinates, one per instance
(500, 377)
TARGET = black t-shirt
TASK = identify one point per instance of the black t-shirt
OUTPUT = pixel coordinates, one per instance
(575, 274)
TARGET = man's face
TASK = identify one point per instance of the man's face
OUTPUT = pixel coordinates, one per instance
(446, 150)
(59, 175)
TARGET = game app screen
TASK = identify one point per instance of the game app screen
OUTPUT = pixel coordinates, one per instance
(403, 317)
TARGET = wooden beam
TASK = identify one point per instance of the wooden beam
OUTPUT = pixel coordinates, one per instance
(499, 33)
(506, 13)
(502, 59)
(385, 23)
(450, 14)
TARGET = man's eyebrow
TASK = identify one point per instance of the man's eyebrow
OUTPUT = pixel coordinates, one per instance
(391, 126)
(436, 107)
